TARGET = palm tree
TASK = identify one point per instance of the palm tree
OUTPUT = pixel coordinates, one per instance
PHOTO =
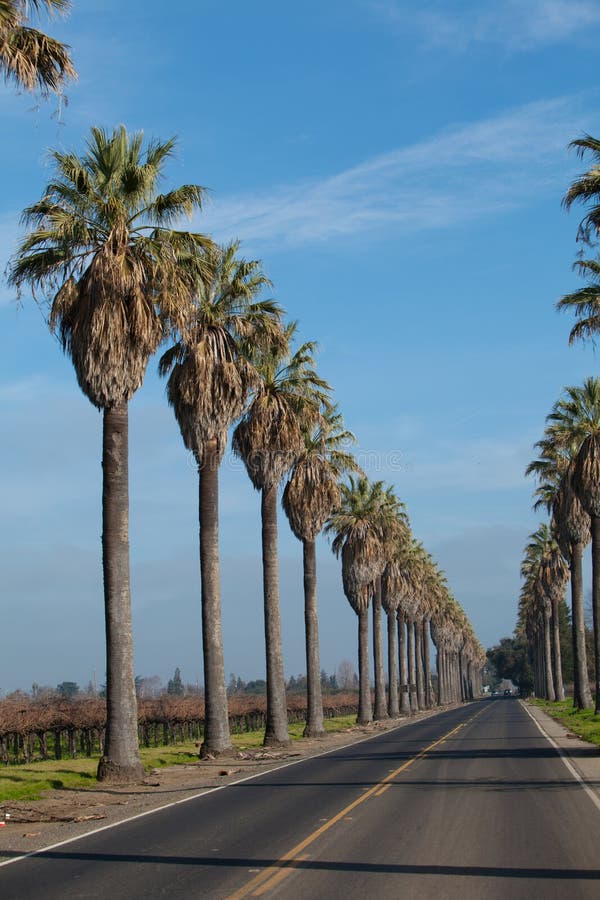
(29, 57)
(393, 588)
(447, 631)
(575, 418)
(545, 574)
(411, 609)
(571, 524)
(435, 592)
(103, 250)
(395, 529)
(289, 396)
(309, 498)
(358, 526)
(209, 383)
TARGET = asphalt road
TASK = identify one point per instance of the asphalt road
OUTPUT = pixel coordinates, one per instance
(472, 803)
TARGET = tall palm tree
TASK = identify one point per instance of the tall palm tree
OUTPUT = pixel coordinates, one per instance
(210, 379)
(288, 396)
(395, 529)
(28, 57)
(554, 470)
(309, 498)
(545, 573)
(575, 418)
(358, 527)
(411, 607)
(393, 588)
(435, 592)
(103, 250)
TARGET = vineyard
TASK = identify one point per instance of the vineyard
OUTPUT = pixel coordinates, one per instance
(52, 728)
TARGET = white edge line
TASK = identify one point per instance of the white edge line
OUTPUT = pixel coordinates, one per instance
(563, 755)
(205, 793)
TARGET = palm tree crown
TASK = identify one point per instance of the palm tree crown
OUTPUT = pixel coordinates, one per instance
(29, 57)
(288, 396)
(360, 525)
(210, 375)
(103, 247)
(575, 423)
(586, 187)
(313, 492)
(585, 302)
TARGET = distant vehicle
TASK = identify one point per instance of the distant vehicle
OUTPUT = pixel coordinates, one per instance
(508, 692)
(495, 693)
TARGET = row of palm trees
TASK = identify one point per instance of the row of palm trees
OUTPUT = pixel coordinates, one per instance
(568, 472)
(384, 565)
(567, 467)
(121, 280)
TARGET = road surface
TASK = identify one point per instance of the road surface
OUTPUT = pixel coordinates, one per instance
(472, 803)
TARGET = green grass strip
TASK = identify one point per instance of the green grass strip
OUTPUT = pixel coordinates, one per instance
(581, 722)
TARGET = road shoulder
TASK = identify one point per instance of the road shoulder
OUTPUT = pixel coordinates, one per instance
(583, 756)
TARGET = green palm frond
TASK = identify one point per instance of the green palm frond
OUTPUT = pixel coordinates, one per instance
(585, 302)
(586, 188)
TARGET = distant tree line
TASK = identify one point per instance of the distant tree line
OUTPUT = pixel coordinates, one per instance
(513, 658)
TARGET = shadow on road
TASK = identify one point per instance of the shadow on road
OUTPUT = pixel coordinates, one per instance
(327, 866)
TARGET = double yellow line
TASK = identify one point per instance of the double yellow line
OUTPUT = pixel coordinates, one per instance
(271, 876)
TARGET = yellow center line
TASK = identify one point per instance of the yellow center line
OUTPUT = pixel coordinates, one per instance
(272, 875)
(279, 876)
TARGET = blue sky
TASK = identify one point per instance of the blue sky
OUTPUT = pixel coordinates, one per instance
(399, 170)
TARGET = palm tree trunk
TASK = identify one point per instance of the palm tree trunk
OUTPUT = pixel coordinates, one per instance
(404, 695)
(419, 667)
(549, 681)
(443, 675)
(452, 677)
(559, 688)
(392, 635)
(380, 698)
(217, 738)
(365, 710)
(276, 732)
(450, 686)
(539, 656)
(120, 762)
(464, 678)
(427, 665)
(582, 696)
(412, 674)
(596, 604)
(314, 700)
(470, 681)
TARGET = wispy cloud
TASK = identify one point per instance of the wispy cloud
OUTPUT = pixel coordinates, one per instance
(513, 24)
(460, 175)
